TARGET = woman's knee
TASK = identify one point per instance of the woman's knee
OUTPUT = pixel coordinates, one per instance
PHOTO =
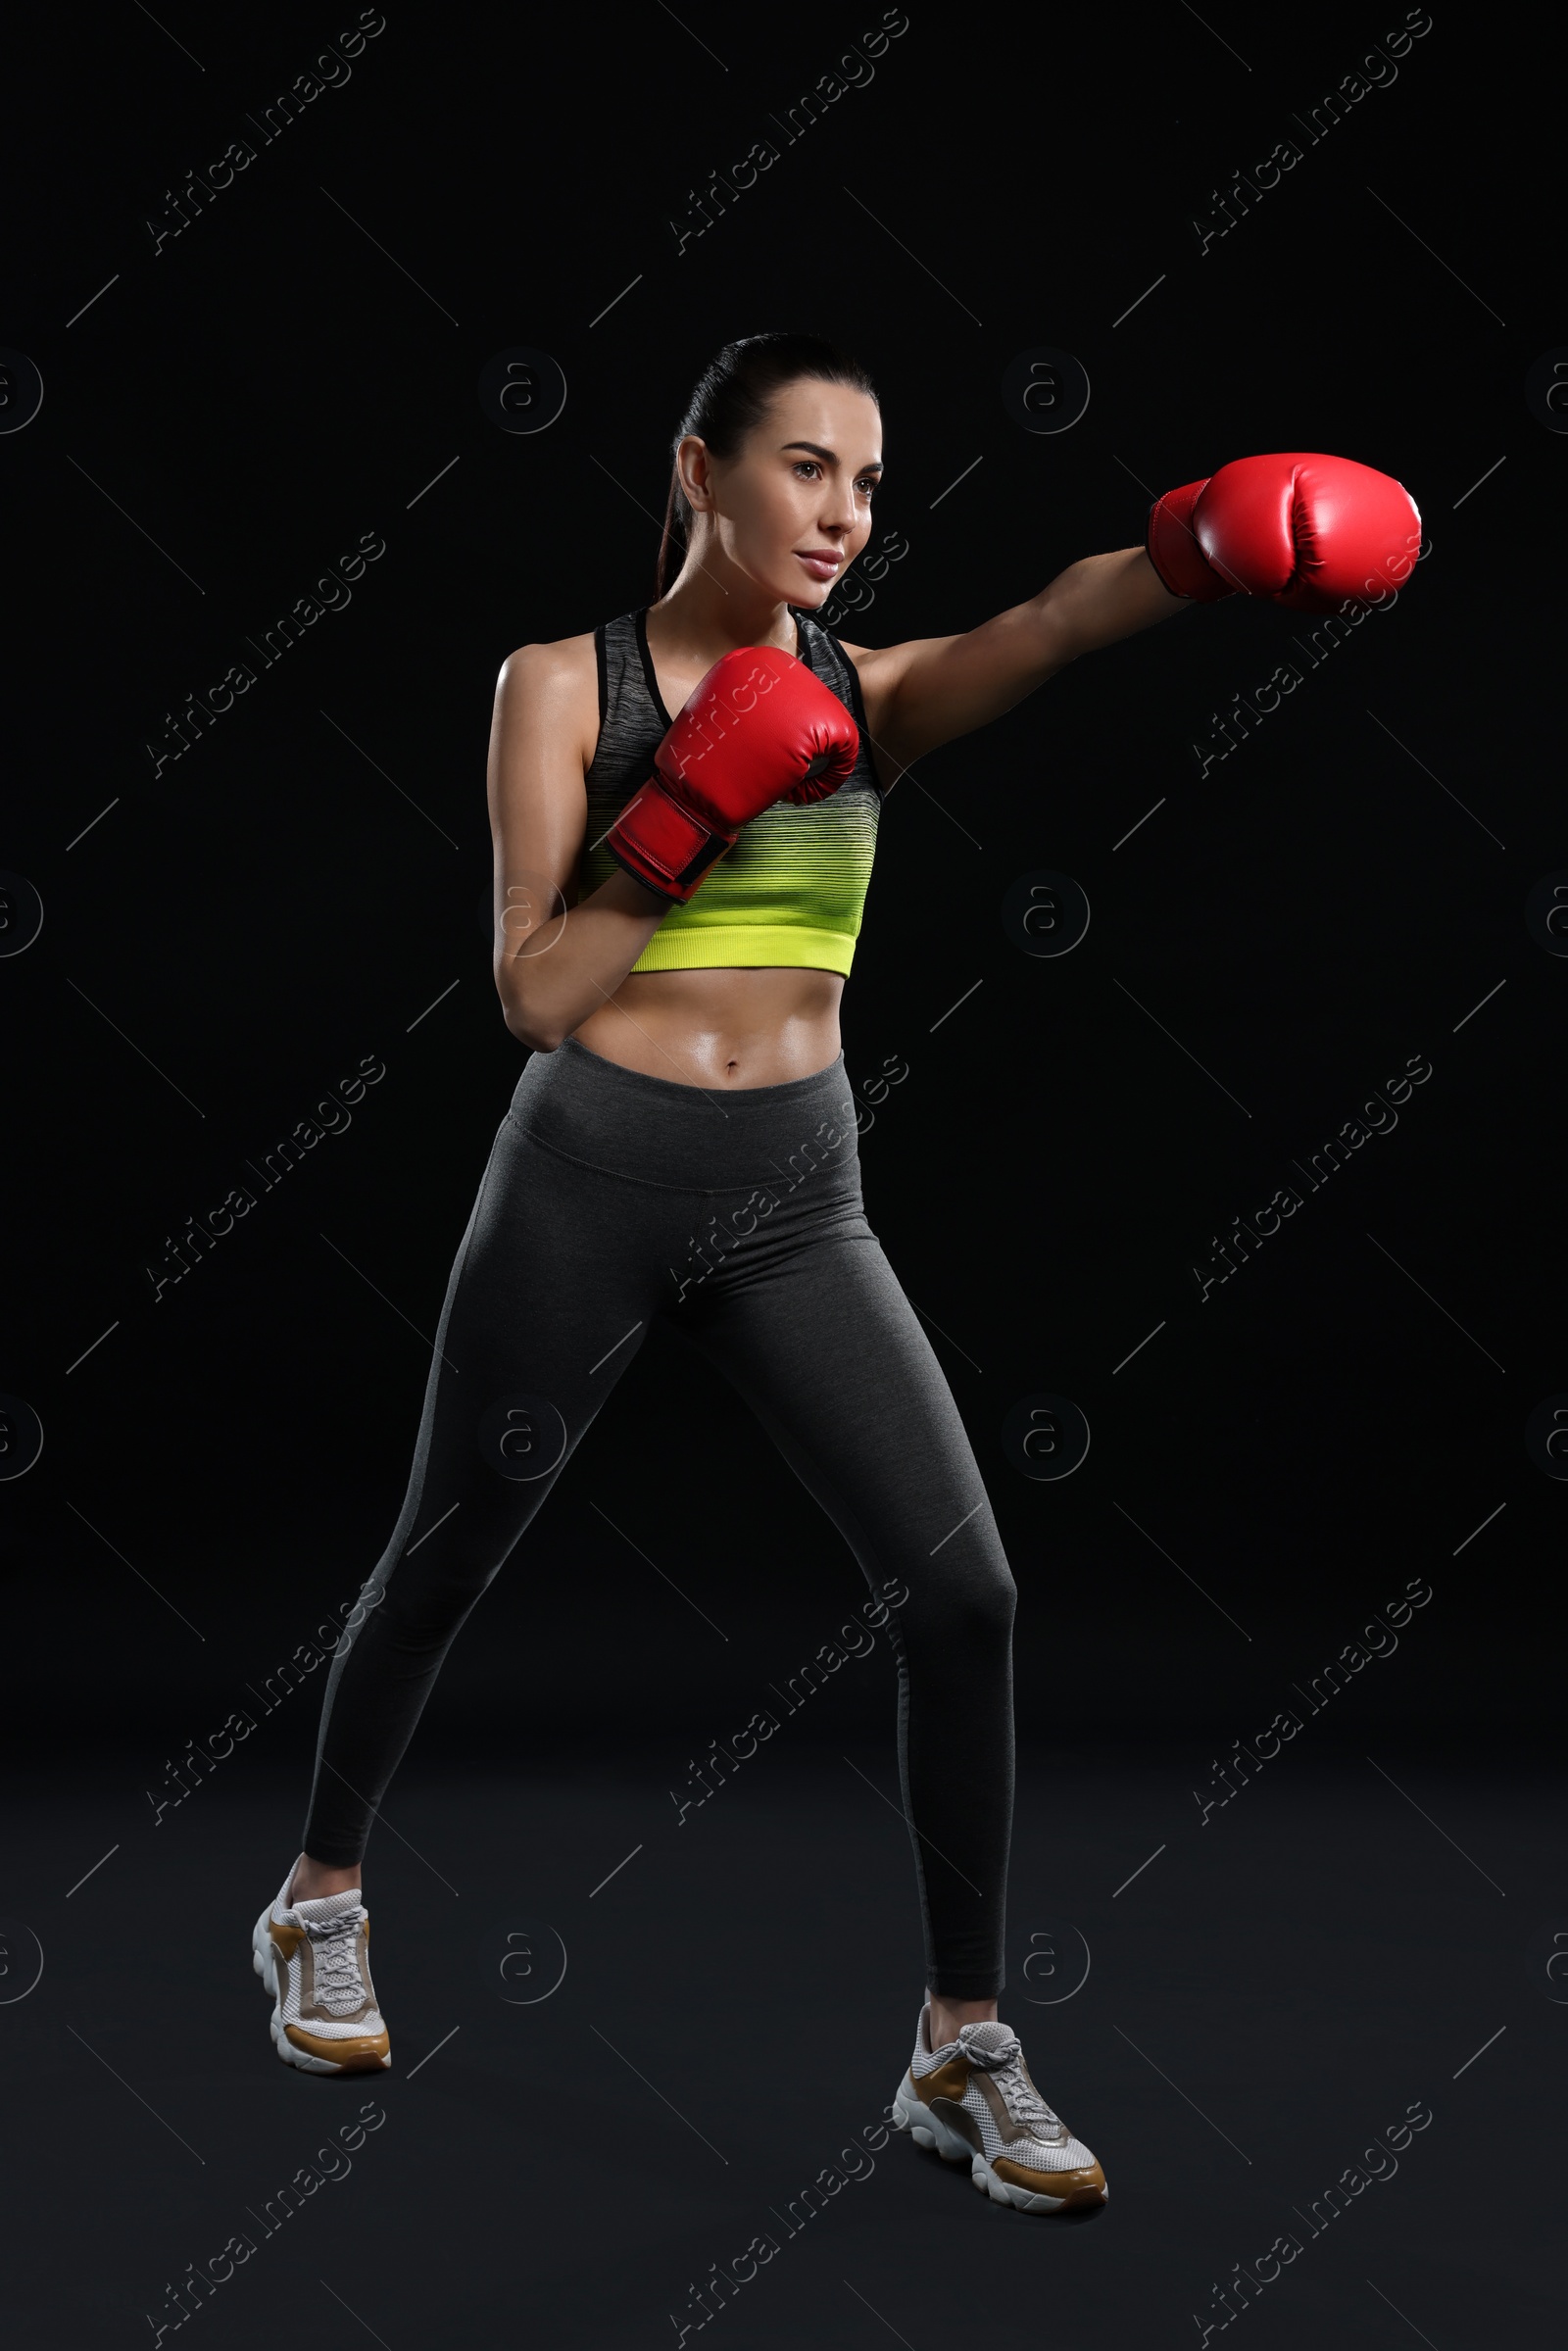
(972, 1601)
(426, 1601)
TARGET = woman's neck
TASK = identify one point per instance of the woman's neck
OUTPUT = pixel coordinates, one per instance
(712, 608)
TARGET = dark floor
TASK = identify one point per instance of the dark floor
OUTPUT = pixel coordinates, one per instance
(1265, 2004)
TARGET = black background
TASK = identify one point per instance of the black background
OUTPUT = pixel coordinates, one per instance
(224, 421)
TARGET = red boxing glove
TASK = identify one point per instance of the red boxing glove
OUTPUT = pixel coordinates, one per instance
(759, 728)
(1303, 530)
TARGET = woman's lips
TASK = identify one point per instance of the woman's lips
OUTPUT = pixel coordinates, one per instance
(821, 567)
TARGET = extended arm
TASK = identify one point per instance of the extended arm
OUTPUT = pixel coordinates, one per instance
(933, 688)
(1302, 530)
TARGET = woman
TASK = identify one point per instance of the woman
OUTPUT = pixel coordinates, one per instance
(699, 785)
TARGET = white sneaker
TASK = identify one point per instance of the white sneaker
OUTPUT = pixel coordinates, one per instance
(313, 1958)
(973, 2101)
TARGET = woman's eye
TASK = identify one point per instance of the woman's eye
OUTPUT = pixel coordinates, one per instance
(866, 484)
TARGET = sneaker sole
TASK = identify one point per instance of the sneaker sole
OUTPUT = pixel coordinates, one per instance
(262, 1960)
(928, 2129)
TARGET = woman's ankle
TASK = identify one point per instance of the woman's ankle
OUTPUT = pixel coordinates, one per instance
(312, 1879)
(948, 2015)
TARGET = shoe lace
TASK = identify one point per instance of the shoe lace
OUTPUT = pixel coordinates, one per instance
(1003, 2059)
(336, 1958)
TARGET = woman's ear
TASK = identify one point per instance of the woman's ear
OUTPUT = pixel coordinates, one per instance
(692, 461)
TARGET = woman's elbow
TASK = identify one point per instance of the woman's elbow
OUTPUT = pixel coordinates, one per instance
(532, 1027)
(539, 1036)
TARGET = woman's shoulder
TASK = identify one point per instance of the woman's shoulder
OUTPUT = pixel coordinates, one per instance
(555, 682)
(557, 661)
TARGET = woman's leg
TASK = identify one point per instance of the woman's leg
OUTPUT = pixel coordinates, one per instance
(548, 1301)
(815, 1331)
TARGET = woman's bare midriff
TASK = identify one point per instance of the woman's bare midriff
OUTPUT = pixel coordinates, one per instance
(720, 1029)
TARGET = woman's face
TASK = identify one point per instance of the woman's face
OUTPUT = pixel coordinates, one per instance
(792, 510)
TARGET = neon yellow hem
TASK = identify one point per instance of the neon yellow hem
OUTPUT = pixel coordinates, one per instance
(703, 947)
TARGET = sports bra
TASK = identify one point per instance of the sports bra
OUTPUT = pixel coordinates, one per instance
(793, 888)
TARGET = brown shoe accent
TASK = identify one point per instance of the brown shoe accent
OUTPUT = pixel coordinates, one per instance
(949, 2080)
(354, 2056)
(1083, 2187)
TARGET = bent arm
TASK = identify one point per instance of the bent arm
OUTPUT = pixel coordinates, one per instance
(934, 688)
(556, 960)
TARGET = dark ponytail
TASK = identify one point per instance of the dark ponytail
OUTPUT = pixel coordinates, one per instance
(730, 399)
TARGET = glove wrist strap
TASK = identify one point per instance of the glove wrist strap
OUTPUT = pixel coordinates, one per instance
(662, 845)
(1173, 549)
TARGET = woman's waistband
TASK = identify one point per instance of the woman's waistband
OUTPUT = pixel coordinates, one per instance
(691, 1138)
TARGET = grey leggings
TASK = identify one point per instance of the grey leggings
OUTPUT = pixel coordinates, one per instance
(612, 1199)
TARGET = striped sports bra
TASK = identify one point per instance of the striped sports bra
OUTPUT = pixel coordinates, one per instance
(793, 888)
